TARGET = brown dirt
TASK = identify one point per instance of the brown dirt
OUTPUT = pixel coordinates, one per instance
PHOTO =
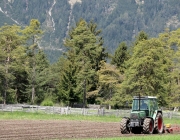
(45, 129)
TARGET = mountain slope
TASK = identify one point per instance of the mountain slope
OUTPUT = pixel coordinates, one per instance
(120, 20)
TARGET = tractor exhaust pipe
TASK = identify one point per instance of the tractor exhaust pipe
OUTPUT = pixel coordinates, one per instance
(139, 101)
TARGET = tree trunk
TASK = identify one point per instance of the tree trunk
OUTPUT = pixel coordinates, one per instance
(33, 77)
(6, 79)
(84, 95)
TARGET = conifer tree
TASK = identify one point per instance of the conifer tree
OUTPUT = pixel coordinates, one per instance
(42, 74)
(11, 43)
(120, 56)
(141, 37)
(84, 53)
(32, 34)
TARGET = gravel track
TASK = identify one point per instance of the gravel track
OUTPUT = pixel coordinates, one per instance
(45, 129)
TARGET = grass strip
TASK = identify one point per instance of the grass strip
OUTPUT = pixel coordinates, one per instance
(150, 137)
(43, 116)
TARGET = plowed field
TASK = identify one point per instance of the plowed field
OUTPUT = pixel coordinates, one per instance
(37, 129)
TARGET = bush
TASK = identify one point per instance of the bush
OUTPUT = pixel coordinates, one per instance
(47, 102)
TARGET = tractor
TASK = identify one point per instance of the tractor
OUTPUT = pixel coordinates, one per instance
(145, 117)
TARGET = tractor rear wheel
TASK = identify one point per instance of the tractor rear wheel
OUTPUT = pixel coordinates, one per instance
(124, 126)
(159, 126)
(148, 126)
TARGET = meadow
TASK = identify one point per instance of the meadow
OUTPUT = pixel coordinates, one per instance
(43, 116)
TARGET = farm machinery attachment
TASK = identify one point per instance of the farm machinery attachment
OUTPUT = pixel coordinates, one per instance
(171, 129)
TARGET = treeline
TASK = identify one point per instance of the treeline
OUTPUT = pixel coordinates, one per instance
(86, 73)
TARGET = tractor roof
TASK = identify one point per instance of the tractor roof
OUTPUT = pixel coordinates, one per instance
(145, 97)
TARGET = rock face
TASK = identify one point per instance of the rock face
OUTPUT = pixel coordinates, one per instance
(120, 20)
(72, 2)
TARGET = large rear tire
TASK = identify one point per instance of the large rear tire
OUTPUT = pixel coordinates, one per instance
(159, 126)
(148, 126)
(124, 126)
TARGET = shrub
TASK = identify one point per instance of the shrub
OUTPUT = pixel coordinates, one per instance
(47, 102)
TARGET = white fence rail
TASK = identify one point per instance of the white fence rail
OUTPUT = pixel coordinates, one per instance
(76, 111)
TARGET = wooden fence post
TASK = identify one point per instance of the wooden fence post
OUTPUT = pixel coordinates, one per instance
(11, 109)
(61, 110)
(103, 111)
(99, 112)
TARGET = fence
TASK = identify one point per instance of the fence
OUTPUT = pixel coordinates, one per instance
(76, 111)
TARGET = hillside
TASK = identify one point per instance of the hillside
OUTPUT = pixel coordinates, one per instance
(120, 20)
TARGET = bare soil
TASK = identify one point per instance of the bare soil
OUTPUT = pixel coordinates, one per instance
(56, 129)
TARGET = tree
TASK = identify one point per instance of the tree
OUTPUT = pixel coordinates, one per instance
(171, 40)
(109, 82)
(148, 70)
(20, 74)
(120, 56)
(32, 34)
(141, 37)
(85, 52)
(68, 83)
(11, 43)
(102, 54)
(42, 74)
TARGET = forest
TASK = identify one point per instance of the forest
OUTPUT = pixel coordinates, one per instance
(86, 73)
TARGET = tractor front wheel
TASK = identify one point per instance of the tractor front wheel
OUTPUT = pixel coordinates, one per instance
(124, 126)
(159, 124)
(148, 126)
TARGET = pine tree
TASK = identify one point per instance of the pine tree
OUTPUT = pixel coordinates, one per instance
(68, 83)
(42, 74)
(20, 75)
(10, 45)
(121, 55)
(141, 37)
(85, 52)
(32, 34)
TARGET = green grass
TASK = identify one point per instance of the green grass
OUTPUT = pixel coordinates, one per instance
(42, 116)
(155, 137)
(171, 121)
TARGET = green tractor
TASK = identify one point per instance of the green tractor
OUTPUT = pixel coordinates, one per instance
(144, 118)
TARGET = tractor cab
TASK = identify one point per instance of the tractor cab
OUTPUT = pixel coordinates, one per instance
(145, 106)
